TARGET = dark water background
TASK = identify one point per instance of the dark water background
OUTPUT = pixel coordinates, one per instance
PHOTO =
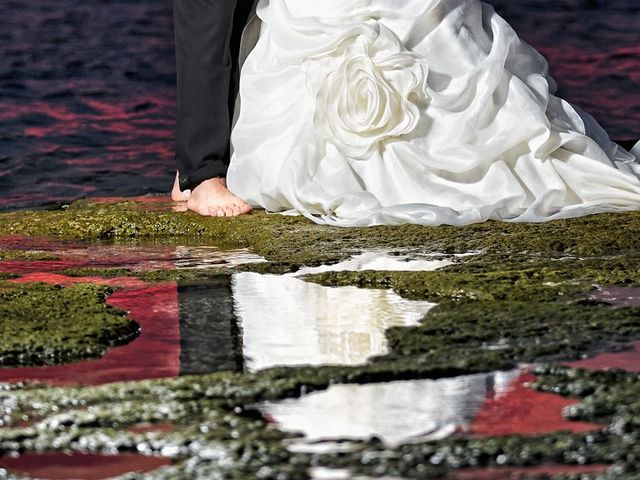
(87, 98)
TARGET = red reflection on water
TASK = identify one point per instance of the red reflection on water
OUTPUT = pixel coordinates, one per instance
(616, 72)
(23, 267)
(522, 410)
(105, 117)
(619, 296)
(80, 466)
(92, 255)
(628, 360)
(152, 427)
(521, 473)
(58, 279)
(35, 243)
(154, 354)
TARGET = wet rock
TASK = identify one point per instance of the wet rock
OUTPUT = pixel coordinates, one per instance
(524, 296)
(296, 240)
(18, 254)
(47, 324)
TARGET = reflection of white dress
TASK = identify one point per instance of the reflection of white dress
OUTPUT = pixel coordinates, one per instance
(365, 112)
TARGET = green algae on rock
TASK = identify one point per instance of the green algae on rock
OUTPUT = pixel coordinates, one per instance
(514, 331)
(49, 324)
(299, 241)
(611, 396)
(515, 310)
(496, 278)
(523, 297)
(165, 275)
(17, 254)
(218, 435)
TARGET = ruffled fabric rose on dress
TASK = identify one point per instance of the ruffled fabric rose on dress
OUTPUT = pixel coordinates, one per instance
(368, 91)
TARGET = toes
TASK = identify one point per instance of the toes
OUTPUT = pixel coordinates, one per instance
(231, 210)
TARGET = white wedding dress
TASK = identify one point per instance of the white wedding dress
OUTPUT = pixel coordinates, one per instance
(368, 112)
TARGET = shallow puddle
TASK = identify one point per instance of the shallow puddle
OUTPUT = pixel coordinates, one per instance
(498, 403)
(155, 353)
(394, 412)
(287, 321)
(135, 257)
(80, 466)
(522, 473)
(628, 359)
(385, 260)
(521, 410)
(238, 322)
(618, 296)
(321, 473)
(249, 321)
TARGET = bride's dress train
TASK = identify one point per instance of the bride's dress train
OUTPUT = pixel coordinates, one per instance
(366, 112)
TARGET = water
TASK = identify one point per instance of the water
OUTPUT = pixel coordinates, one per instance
(65, 466)
(394, 412)
(250, 321)
(523, 473)
(243, 322)
(87, 87)
(383, 260)
(287, 321)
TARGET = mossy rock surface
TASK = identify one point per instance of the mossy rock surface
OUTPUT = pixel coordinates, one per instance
(525, 296)
(298, 240)
(18, 254)
(166, 275)
(48, 324)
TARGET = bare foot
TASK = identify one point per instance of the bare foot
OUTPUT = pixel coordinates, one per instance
(178, 195)
(212, 198)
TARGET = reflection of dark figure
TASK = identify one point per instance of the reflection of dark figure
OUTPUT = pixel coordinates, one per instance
(209, 335)
(207, 36)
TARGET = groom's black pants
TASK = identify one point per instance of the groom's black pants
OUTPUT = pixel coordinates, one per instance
(207, 36)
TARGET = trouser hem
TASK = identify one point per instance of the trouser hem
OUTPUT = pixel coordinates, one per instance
(211, 169)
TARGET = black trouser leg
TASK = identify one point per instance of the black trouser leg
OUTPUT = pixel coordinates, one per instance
(204, 61)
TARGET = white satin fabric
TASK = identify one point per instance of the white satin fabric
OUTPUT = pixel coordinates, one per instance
(368, 112)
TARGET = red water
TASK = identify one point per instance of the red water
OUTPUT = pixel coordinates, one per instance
(154, 354)
(524, 473)
(618, 296)
(522, 410)
(80, 466)
(152, 427)
(94, 255)
(628, 360)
